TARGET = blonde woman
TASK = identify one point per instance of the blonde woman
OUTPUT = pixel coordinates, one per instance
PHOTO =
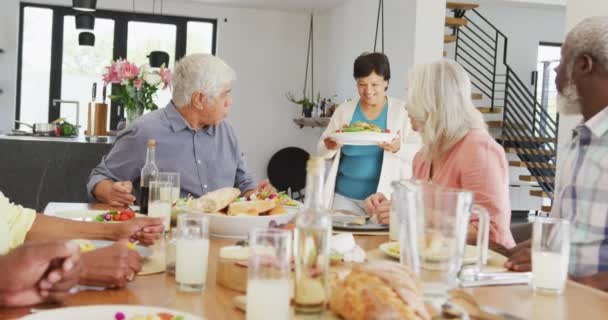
(458, 151)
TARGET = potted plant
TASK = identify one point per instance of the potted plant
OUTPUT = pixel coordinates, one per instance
(137, 85)
(306, 103)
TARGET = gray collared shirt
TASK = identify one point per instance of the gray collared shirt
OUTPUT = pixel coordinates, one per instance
(207, 159)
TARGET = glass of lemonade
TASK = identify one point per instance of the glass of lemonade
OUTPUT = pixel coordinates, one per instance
(191, 251)
(550, 254)
(268, 285)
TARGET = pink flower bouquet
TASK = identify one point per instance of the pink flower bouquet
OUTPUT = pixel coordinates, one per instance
(137, 85)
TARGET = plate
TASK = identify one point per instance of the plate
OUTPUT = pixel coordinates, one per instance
(84, 215)
(238, 227)
(361, 138)
(143, 251)
(470, 254)
(103, 312)
(351, 223)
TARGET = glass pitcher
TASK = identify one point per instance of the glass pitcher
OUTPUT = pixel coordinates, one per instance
(434, 225)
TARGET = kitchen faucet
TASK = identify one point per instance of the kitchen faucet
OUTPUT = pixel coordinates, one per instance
(57, 101)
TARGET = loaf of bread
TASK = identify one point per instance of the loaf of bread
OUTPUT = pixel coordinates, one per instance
(379, 290)
(215, 201)
(252, 208)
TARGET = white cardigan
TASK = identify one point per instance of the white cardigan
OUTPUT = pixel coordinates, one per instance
(395, 166)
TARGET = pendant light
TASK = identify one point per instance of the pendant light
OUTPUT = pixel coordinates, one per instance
(84, 5)
(86, 39)
(157, 58)
(85, 20)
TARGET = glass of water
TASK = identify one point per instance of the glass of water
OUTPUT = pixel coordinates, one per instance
(191, 251)
(550, 254)
(173, 179)
(164, 192)
(268, 284)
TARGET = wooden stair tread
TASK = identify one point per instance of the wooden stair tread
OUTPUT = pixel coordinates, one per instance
(546, 209)
(476, 96)
(539, 193)
(489, 109)
(531, 151)
(538, 165)
(455, 22)
(545, 179)
(529, 139)
(494, 124)
(448, 38)
(461, 5)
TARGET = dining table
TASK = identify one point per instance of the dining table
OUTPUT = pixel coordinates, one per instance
(216, 303)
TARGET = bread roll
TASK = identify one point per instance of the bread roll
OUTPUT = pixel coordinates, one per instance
(215, 201)
(279, 209)
(252, 208)
(379, 290)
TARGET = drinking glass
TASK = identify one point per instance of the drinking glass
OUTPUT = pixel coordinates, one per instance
(170, 239)
(191, 251)
(160, 199)
(173, 179)
(268, 284)
(550, 254)
(434, 228)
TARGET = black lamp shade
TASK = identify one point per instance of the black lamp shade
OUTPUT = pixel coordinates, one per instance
(86, 39)
(85, 20)
(158, 58)
(84, 5)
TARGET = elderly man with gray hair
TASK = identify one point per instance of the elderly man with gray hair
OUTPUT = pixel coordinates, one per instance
(191, 135)
(582, 181)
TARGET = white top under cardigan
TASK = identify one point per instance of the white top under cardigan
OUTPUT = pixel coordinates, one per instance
(395, 166)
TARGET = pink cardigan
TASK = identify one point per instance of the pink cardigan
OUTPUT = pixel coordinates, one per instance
(476, 163)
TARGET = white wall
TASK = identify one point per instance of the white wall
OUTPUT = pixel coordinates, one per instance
(526, 27)
(429, 31)
(9, 39)
(350, 32)
(266, 48)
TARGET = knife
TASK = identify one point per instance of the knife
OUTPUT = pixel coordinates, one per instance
(103, 93)
(94, 91)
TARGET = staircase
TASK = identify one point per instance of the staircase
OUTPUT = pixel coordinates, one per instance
(518, 122)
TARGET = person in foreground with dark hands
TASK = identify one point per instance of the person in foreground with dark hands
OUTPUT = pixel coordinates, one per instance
(113, 266)
(39, 272)
(582, 180)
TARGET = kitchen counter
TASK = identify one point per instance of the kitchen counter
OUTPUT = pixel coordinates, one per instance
(78, 139)
(37, 170)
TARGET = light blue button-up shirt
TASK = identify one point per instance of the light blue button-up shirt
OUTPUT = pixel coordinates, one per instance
(207, 159)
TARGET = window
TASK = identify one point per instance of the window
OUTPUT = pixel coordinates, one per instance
(35, 65)
(53, 66)
(200, 37)
(145, 37)
(549, 55)
(83, 65)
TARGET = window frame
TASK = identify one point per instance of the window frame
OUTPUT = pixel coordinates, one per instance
(121, 21)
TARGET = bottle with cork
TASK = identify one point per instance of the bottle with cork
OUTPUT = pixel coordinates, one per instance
(149, 172)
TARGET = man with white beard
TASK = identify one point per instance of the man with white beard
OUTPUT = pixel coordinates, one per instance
(582, 182)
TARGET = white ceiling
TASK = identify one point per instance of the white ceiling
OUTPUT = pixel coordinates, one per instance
(288, 5)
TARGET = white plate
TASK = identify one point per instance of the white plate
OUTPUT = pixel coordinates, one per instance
(361, 138)
(103, 312)
(84, 215)
(470, 254)
(143, 251)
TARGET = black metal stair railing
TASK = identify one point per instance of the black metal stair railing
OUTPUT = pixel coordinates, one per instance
(527, 127)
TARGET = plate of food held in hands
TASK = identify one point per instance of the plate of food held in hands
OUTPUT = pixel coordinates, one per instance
(362, 134)
(232, 216)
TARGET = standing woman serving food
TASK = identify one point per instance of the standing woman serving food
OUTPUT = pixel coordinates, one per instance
(359, 171)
